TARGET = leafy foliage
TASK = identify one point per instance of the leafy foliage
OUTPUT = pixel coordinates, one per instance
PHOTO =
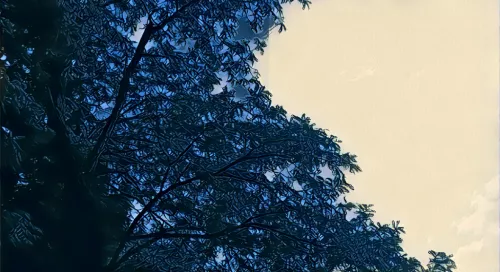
(120, 156)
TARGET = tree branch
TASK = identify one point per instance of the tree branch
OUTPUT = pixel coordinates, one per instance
(125, 83)
(246, 224)
(165, 177)
(273, 229)
(224, 232)
(157, 197)
(176, 15)
(120, 99)
(134, 251)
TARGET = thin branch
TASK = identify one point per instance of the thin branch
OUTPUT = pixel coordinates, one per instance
(224, 232)
(125, 83)
(176, 15)
(245, 179)
(165, 177)
(246, 158)
(156, 198)
(273, 229)
(120, 99)
(134, 251)
(262, 215)
(246, 224)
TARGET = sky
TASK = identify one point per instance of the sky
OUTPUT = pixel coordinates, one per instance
(412, 88)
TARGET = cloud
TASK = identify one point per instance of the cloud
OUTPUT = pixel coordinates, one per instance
(363, 72)
(481, 228)
(484, 205)
(472, 247)
(366, 73)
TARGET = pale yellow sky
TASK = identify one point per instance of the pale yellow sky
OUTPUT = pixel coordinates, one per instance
(411, 87)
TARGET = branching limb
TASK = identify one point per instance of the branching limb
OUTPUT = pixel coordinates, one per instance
(124, 85)
(147, 208)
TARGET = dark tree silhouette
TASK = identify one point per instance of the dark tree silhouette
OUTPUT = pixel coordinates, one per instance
(118, 156)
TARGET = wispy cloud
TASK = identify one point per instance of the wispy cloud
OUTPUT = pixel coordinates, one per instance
(367, 72)
(472, 247)
(483, 206)
(481, 226)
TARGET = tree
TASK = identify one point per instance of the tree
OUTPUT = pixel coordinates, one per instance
(119, 156)
(440, 262)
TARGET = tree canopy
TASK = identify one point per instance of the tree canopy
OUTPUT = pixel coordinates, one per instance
(123, 156)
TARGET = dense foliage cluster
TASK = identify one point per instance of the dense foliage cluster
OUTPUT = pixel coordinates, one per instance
(121, 156)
